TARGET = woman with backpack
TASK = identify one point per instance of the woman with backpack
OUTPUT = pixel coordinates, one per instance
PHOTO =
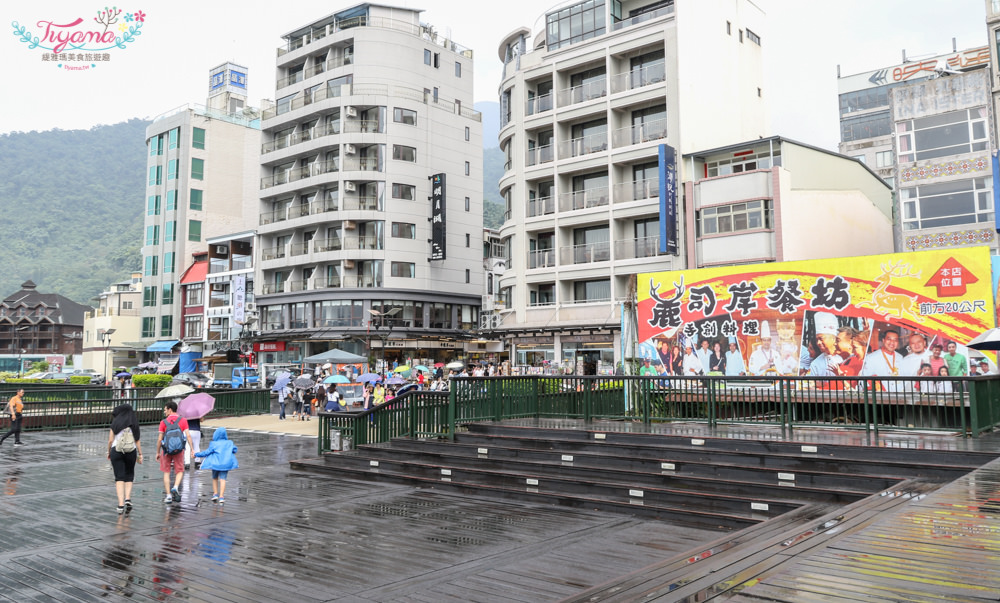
(124, 450)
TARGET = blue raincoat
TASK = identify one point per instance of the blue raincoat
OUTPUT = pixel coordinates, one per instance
(221, 453)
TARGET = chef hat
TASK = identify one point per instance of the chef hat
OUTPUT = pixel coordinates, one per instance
(826, 323)
(765, 330)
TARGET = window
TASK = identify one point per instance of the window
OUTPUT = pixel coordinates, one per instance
(573, 24)
(171, 200)
(729, 28)
(168, 294)
(458, 69)
(440, 316)
(402, 269)
(883, 159)
(467, 133)
(753, 37)
(402, 230)
(166, 326)
(734, 218)
(152, 267)
(339, 313)
(196, 199)
(148, 297)
(153, 235)
(437, 60)
(170, 231)
(197, 169)
(172, 138)
(468, 241)
(760, 160)
(168, 262)
(947, 204)
(153, 205)
(198, 138)
(867, 126)
(155, 175)
(427, 57)
(194, 295)
(468, 167)
(149, 327)
(592, 291)
(194, 230)
(860, 159)
(193, 326)
(468, 204)
(156, 145)
(172, 169)
(404, 191)
(941, 135)
(468, 276)
(403, 153)
(404, 116)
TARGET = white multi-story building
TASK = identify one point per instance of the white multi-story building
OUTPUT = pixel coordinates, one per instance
(586, 102)
(201, 184)
(371, 205)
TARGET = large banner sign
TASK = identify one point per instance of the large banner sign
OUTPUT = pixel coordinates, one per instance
(895, 314)
(438, 226)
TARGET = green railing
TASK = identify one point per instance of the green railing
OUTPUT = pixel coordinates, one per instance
(967, 405)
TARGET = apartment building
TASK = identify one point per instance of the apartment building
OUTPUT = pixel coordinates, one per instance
(201, 184)
(587, 101)
(110, 329)
(370, 196)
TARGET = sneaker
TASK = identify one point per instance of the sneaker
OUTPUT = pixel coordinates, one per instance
(215, 498)
(19, 443)
(128, 504)
(222, 500)
(175, 494)
(168, 499)
(121, 509)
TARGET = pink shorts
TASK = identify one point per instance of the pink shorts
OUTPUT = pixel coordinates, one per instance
(175, 460)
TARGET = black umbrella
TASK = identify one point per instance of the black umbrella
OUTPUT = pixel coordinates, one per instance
(987, 341)
(303, 382)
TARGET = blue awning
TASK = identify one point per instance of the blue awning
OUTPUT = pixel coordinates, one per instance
(163, 346)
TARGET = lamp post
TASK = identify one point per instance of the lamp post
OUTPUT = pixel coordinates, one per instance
(20, 364)
(381, 324)
(105, 336)
(246, 346)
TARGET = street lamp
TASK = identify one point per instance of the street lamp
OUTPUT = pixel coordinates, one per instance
(381, 316)
(106, 342)
(20, 364)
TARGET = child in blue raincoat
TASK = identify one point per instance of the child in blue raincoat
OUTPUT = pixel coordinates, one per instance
(221, 459)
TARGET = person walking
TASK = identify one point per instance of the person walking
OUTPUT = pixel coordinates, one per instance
(220, 457)
(194, 429)
(282, 394)
(124, 451)
(15, 407)
(170, 443)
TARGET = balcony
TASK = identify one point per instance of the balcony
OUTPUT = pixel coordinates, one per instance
(316, 207)
(654, 14)
(637, 190)
(298, 249)
(639, 133)
(329, 244)
(356, 281)
(539, 155)
(315, 168)
(306, 99)
(541, 207)
(592, 143)
(327, 283)
(273, 253)
(269, 288)
(363, 126)
(283, 142)
(362, 164)
(591, 197)
(631, 249)
(364, 242)
(365, 203)
(425, 32)
(587, 253)
(539, 104)
(335, 62)
(583, 92)
(654, 73)
(288, 80)
(542, 258)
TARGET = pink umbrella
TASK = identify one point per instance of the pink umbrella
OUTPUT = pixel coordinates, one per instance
(196, 405)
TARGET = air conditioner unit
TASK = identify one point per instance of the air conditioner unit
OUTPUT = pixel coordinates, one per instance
(222, 250)
(349, 264)
(350, 187)
(350, 149)
(350, 225)
(350, 112)
(251, 307)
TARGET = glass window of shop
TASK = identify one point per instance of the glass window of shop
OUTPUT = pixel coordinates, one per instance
(536, 355)
(339, 313)
(297, 314)
(407, 313)
(274, 317)
(469, 318)
(589, 358)
(440, 316)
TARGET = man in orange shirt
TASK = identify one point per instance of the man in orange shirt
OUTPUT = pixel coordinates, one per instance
(15, 407)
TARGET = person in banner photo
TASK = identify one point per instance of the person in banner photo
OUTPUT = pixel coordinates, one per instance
(764, 360)
(692, 364)
(734, 360)
(885, 361)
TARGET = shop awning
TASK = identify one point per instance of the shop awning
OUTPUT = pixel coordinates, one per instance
(163, 346)
(166, 366)
(335, 357)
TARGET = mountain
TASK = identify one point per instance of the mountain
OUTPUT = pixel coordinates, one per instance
(72, 203)
(491, 123)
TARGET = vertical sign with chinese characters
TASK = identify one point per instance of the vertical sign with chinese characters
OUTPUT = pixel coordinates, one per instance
(438, 217)
(239, 299)
(668, 200)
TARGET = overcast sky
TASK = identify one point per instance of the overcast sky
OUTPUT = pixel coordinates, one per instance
(167, 66)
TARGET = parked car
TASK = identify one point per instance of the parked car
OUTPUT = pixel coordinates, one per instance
(95, 377)
(61, 376)
(34, 376)
(195, 380)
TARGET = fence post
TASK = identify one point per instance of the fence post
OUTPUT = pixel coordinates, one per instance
(452, 400)
(973, 387)
(534, 395)
(712, 416)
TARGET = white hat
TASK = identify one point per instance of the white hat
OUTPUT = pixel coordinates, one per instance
(826, 323)
(765, 330)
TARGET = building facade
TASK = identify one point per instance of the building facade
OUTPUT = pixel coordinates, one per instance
(201, 184)
(370, 200)
(586, 103)
(111, 325)
(37, 326)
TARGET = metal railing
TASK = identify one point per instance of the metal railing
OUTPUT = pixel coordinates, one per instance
(542, 206)
(328, 244)
(586, 253)
(425, 32)
(538, 155)
(966, 405)
(300, 173)
(653, 14)
(539, 104)
(639, 133)
(585, 145)
(542, 258)
(283, 142)
(647, 75)
(591, 197)
(637, 190)
(584, 92)
(629, 249)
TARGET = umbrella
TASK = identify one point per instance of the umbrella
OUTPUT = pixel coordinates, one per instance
(336, 379)
(328, 365)
(986, 341)
(303, 382)
(175, 391)
(148, 365)
(396, 381)
(455, 365)
(421, 367)
(369, 378)
(281, 381)
(438, 364)
(401, 369)
(126, 375)
(196, 405)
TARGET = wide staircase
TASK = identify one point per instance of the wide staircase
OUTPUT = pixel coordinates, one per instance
(772, 499)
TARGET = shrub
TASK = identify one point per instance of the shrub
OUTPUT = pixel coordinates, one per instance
(79, 380)
(151, 380)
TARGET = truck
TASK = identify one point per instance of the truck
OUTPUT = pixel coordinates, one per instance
(234, 375)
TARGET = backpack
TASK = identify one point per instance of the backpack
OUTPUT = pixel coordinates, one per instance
(126, 441)
(173, 438)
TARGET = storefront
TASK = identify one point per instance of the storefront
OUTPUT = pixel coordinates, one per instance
(588, 354)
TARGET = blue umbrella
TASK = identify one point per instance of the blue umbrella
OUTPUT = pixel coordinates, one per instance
(396, 381)
(369, 378)
(336, 379)
(281, 382)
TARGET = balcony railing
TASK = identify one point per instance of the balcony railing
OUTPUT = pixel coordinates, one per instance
(353, 281)
(299, 249)
(647, 75)
(539, 104)
(653, 14)
(592, 143)
(362, 164)
(538, 155)
(273, 253)
(542, 258)
(586, 253)
(591, 197)
(268, 288)
(285, 213)
(340, 61)
(630, 249)
(288, 80)
(364, 126)
(583, 92)
(362, 203)
(326, 283)
(329, 244)
(541, 207)
(422, 31)
(637, 190)
(644, 132)
(315, 168)
(283, 142)
(366, 242)
(328, 91)
(541, 303)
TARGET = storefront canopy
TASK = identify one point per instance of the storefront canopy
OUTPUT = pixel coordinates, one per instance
(163, 346)
(335, 357)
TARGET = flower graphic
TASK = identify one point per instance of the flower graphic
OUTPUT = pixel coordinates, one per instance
(128, 16)
(140, 16)
(123, 27)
